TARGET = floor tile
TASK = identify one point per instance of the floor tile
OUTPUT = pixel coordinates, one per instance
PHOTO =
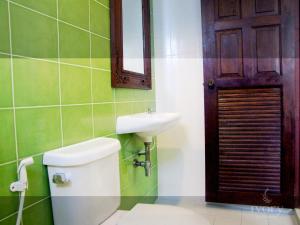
(282, 220)
(113, 220)
(249, 218)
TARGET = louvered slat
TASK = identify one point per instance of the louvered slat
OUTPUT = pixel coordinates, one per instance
(250, 139)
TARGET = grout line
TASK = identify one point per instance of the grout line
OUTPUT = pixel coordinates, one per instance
(109, 135)
(59, 77)
(54, 61)
(83, 29)
(6, 108)
(82, 66)
(101, 4)
(59, 20)
(70, 105)
(7, 217)
(35, 155)
(38, 202)
(91, 71)
(8, 163)
(5, 53)
(12, 83)
(42, 153)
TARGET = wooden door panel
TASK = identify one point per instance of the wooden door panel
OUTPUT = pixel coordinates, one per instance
(230, 53)
(268, 50)
(249, 139)
(266, 7)
(227, 9)
(250, 111)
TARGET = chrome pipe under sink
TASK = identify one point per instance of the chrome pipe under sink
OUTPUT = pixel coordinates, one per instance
(147, 163)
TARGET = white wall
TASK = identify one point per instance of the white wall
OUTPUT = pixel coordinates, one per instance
(179, 84)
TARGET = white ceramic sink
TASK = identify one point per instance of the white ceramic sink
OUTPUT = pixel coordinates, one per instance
(146, 125)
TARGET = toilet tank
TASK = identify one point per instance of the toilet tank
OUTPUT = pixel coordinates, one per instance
(84, 181)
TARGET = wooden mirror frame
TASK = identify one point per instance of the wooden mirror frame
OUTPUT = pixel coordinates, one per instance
(122, 78)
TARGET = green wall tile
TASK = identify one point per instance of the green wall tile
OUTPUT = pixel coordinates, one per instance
(139, 95)
(36, 82)
(135, 186)
(104, 2)
(45, 6)
(7, 136)
(4, 36)
(104, 119)
(138, 107)
(9, 200)
(75, 85)
(78, 16)
(38, 182)
(127, 172)
(38, 130)
(100, 13)
(102, 90)
(5, 82)
(150, 105)
(154, 156)
(150, 94)
(131, 145)
(74, 45)
(77, 124)
(33, 34)
(124, 95)
(38, 214)
(9, 221)
(128, 201)
(100, 53)
(123, 109)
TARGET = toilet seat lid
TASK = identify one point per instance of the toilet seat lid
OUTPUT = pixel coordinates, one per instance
(145, 214)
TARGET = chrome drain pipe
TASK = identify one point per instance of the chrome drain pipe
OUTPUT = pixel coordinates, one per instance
(147, 163)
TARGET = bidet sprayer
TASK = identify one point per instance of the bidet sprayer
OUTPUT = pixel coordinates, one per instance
(22, 183)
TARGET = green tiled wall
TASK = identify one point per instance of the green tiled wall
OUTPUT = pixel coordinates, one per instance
(55, 91)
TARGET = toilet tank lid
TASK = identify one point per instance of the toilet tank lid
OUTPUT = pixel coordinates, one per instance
(82, 153)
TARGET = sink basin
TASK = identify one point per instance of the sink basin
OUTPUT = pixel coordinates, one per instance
(146, 125)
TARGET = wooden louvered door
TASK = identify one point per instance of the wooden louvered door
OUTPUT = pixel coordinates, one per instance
(251, 75)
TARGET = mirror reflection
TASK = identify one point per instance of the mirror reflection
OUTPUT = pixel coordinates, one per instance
(133, 41)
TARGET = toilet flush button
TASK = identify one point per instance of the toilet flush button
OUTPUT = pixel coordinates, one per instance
(61, 178)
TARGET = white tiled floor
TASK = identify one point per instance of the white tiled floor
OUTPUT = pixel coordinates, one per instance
(220, 215)
(113, 220)
(238, 215)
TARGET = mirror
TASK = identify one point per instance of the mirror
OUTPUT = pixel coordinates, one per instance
(133, 53)
(130, 44)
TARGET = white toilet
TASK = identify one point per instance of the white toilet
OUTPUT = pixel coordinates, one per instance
(85, 189)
